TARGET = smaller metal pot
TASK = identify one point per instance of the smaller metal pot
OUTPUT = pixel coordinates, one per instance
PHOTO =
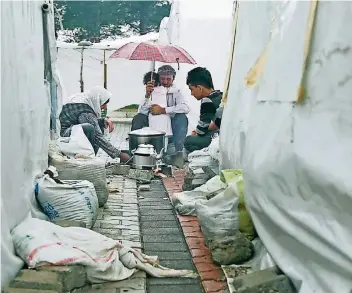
(145, 156)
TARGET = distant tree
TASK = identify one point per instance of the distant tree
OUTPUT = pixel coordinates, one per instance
(95, 20)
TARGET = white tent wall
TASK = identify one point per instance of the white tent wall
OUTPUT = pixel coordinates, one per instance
(202, 28)
(25, 116)
(124, 77)
(296, 157)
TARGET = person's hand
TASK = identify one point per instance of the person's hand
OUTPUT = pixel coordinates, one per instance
(149, 88)
(212, 126)
(157, 110)
(109, 125)
(194, 133)
(124, 158)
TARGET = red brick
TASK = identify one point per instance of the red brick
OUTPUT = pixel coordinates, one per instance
(193, 224)
(186, 218)
(214, 275)
(200, 252)
(202, 259)
(198, 234)
(191, 229)
(195, 243)
(213, 286)
(207, 267)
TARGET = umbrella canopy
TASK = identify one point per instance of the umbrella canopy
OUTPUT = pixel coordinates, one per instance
(153, 52)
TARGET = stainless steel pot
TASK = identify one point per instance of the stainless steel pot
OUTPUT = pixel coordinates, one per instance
(145, 156)
(146, 136)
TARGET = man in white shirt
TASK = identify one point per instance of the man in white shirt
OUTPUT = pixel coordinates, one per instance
(176, 107)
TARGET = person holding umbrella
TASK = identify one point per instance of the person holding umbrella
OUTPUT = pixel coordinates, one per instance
(176, 107)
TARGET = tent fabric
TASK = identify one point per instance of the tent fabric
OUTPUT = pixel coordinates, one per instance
(203, 28)
(296, 158)
(26, 109)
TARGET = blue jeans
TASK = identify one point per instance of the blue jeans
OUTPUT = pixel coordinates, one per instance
(179, 124)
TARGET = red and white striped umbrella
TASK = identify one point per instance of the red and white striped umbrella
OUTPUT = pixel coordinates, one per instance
(153, 52)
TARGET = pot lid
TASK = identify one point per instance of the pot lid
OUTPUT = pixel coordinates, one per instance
(145, 146)
(146, 131)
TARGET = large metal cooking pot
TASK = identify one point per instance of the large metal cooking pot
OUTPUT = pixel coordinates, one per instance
(146, 136)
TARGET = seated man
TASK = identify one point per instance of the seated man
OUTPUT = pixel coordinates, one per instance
(176, 107)
(200, 83)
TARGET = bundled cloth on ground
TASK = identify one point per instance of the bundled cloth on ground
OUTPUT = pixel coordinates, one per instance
(68, 200)
(41, 243)
(89, 169)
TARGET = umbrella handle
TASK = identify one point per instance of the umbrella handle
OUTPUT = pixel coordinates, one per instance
(178, 63)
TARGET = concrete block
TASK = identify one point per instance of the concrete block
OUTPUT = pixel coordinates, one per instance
(70, 276)
(144, 187)
(69, 223)
(264, 281)
(31, 279)
(121, 170)
(143, 176)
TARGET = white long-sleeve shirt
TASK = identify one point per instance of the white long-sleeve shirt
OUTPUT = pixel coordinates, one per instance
(175, 103)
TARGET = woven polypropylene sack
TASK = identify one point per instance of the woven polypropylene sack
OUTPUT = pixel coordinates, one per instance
(69, 200)
(92, 170)
(219, 216)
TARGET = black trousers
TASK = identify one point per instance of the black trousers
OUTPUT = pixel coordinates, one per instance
(197, 142)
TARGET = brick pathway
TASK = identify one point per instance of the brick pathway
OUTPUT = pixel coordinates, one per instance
(119, 219)
(212, 276)
(162, 236)
(117, 138)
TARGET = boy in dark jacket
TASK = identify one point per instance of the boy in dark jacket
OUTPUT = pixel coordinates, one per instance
(200, 83)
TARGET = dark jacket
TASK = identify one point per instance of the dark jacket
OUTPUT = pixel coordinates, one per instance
(209, 111)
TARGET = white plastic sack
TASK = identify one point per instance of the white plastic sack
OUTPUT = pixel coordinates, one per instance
(214, 148)
(184, 202)
(41, 243)
(72, 200)
(92, 170)
(219, 215)
(76, 144)
(202, 158)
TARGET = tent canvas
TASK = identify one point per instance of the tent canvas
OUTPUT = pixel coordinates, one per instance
(296, 157)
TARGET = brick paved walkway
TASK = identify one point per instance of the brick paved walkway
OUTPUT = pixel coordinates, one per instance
(117, 138)
(212, 276)
(162, 236)
(119, 219)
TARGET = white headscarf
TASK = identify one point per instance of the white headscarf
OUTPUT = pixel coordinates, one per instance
(95, 98)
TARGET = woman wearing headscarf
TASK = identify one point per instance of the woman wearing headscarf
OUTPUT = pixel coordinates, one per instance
(85, 109)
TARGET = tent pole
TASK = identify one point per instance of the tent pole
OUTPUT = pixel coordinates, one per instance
(81, 72)
(105, 72)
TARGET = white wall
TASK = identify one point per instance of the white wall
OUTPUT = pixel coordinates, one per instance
(296, 157)
(124, 77)
(25, 116)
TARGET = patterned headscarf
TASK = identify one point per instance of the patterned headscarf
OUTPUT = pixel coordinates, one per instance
(95, 98)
